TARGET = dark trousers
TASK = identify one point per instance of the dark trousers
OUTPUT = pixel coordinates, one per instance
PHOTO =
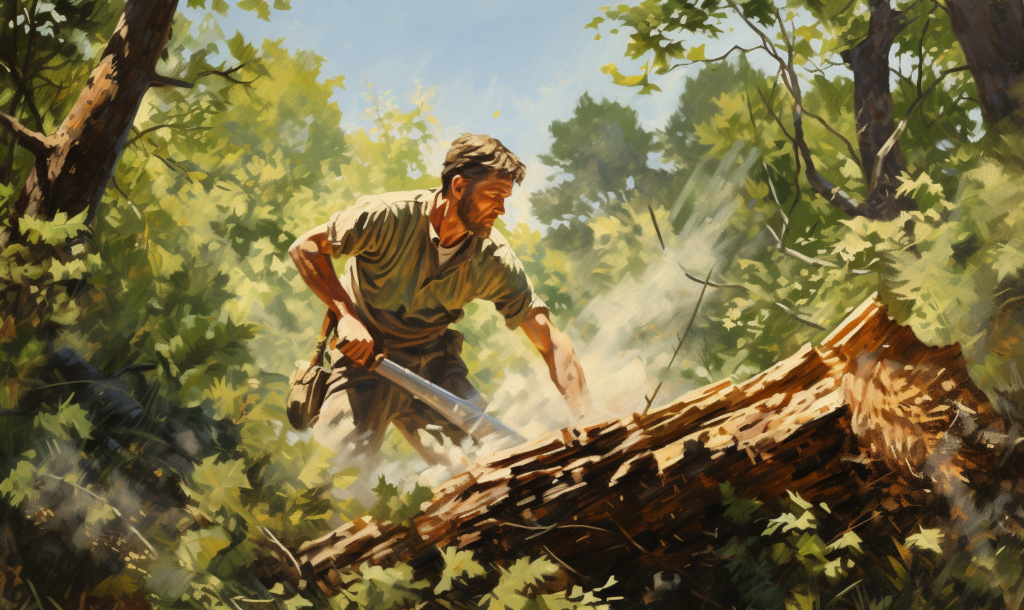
(360, 404)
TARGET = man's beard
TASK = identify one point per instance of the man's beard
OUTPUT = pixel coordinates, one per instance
(478, 227)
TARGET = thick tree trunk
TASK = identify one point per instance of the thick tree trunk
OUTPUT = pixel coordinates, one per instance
(827, 423)
(74, 165)
(872, 105)
(991, 33)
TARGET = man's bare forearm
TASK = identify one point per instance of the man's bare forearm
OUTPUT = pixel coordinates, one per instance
(563, 364)
(310, 252)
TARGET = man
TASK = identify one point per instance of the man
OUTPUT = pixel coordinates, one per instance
(417, 258)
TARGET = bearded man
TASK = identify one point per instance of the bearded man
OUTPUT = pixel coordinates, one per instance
(416, 259)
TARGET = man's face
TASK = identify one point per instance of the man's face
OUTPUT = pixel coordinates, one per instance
(482, 202)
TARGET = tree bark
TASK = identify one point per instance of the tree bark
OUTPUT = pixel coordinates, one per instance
(872, 105)
(991, 33)
(72, 172)
(828, 423)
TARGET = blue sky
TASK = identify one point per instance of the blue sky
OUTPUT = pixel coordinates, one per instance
(529, 60)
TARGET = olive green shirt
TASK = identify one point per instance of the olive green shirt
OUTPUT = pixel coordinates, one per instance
(393, 275)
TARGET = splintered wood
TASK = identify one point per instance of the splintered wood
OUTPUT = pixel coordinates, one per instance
(828, 423)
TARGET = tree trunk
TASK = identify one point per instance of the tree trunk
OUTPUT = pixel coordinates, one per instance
(991, 33)
(872, 105)
(827, 423)
(74, 165)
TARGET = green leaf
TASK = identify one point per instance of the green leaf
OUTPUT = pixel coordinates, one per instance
(458, 566)
(696, 53)
(197, 549)
(21, 482)
(927, 540)
(513, 582)
(1009, 259)
(738, 509)
(260, 7)
(240, 49)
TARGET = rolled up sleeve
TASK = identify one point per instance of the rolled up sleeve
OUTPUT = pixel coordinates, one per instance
(509, 287)
(366, 228)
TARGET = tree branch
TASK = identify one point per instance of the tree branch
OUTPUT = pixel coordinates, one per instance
(709, 60)
(849, 145)
(785, 226)
(159, 80)
(679, 346)
(792, 314)
(227, 74)
(889, 143)
(32, 141)
(149, 130)
(712, 284)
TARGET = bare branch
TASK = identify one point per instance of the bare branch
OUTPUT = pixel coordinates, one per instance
(679, 346)
(149, 130)
(849, 145)
(159, 80)
(710, 60)
(785, 226)
(792, 314)
(712, 284)
(32, 141)
(771, 111)
(882, 152)
(657, 229)
(227, 74)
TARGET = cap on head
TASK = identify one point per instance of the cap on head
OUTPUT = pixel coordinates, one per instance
(474, 156)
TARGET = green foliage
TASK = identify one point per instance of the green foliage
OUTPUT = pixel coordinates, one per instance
(398, 507)
(804, 558)
(467, 585)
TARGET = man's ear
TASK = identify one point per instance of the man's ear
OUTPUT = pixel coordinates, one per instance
(457, 188)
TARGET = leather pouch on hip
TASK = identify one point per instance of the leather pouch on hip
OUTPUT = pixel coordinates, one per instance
(309, 381)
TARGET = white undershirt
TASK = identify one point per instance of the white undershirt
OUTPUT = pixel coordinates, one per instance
(445, 254)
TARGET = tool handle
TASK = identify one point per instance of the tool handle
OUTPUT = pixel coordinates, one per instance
(372, 364)
(330, 323)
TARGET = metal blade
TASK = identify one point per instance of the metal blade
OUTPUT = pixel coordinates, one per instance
(470, 418)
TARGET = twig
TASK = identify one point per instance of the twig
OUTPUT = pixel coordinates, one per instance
(657, 229)
(710, 59)
(712, 284)
(288, 554)
(771, 111)
(849, 145)
(117, 513)
(891, 142)
(160, 80)
(679, 346)
(562, 563)
(149, 130)
(227, 75)
(785, 226)
(792, 314)
(541, 530)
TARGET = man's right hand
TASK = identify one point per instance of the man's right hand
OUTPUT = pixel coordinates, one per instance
(354, 340)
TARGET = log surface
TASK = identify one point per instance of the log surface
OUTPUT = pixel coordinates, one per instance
(872, 422)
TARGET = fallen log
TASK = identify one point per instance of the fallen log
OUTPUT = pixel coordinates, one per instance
(871, 422)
